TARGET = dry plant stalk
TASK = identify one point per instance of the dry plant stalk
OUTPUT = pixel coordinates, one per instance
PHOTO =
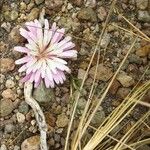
(40, 118)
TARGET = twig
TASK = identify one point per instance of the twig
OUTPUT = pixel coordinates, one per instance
(40, 118)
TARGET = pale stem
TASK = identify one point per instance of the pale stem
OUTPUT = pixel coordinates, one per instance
(40, 118)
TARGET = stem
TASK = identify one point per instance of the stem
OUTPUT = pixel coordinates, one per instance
(40, 118)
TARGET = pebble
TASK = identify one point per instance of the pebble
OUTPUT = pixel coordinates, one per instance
(87, 14)
(51, 142)
(105, 40)
(43, 94)
(6, 107)
(81, 73)
(2, 78)
(6, 26)
(104, 73)
(142, 4)
(39, 1)
(143, 16)
(69, 6)
(23, 107)
(62, 120)
(15, 36)
(20, 117)
(102, 13)
(98, 117)
(114, 87)
(123, 92)
(33, 14)
(90, 3)
(31, 143)
(16, 147)
(9, 94)
(3, 147)
(135, 59)
(3, 46)
(13, 15)
(23, 6)
(143, 51)
(125, 80)
(77, 2)
(50, 119)
(57, 137)
(9, 128)
(7, 64)
(9, 83)
(53, 4)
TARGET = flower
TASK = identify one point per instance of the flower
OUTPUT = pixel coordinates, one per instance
(45, 53)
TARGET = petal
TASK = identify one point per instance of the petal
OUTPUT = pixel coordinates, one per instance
(23, 68)
(26, 78)
(37, 76)
(56, 59)
(21, 49)
(58, 35)
(36, 84)
(68, 54)
(23, 60)
(46, 31)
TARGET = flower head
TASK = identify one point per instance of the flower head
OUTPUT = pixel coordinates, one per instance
(45, 53)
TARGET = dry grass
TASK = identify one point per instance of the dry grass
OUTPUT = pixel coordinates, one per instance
(101, 138)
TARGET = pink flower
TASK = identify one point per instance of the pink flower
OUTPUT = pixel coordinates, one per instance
(45, 51)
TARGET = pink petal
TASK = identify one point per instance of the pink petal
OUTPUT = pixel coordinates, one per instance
(21, 49)
(37, 76)
(68, 54)
(36, 84)
(31, 27)
(32, 77)
(26, 78)
(58, 35)
(46, 31)
(23, 68)
(23, 60)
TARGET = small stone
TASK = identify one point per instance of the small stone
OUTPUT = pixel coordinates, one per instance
(7, 64)
(33, 14)
(9, 83)
(2, 78)
(143, 51)
(9, 128)
(31, 143)
(3, 147)
(14, 15)
(77, 2)
(123, 92)
(50, 119)
(6, 26)
(57, 137)
(6, 107)
(43, 94)
(7, 15)
(125, 80)
(51, 142)
(90, 3)
(3, 46)
(142, 4)
(105, 40)
(98, 117)
(143, 16)
(9, 94)
(102, 13)
(20, 117)
(104, 73)
(16, 147)
(81, 104)
(15, 36)
(53, 4)
(39, 1)
(135, 59)
(69, 6)
(81, 73)
(23, 6)
(114, 87)
(62, 120)
(23, 107)
(87, 14)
